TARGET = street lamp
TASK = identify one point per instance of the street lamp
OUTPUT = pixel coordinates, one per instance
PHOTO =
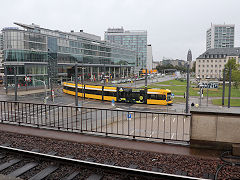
(189, 59)
(207, 78)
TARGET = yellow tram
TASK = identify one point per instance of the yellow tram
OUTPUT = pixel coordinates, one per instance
(120, 94)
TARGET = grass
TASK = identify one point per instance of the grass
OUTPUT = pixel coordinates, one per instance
(179, 90)
(179, 100)
(173, 82)
(233, 102)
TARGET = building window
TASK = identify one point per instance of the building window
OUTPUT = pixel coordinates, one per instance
(203, 65)
(207, 65)
(203, 61)
(211, 61)
(207, 60)
(224, 60)
(199, 61)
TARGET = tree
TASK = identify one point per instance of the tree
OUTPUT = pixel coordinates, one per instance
(236, 78)
(235, 72)
(194, 67)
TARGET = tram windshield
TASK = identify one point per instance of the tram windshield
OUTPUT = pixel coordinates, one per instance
(169, 96)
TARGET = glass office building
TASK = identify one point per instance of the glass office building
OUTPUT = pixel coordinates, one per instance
(41, 53)
(135, 40)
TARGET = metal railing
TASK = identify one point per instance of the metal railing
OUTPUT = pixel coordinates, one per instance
(153, 126)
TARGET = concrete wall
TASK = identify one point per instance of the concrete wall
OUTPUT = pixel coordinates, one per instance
(216, 127)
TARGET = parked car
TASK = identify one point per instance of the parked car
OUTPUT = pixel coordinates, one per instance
(114, 82)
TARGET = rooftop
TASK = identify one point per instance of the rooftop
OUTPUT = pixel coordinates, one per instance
(222, 51)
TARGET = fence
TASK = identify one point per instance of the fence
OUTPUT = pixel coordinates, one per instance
(158, 126)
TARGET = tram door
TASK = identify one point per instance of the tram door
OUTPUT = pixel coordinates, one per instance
(124, 95)
(138, 96)
(131, 95)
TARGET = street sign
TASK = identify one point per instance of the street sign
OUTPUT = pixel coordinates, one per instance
(28, 79)
(129, 116)
(113, 102)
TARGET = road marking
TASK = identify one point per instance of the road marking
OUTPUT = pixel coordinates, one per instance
(119, 109)
(163, 120)
(172, 136)
(174, 119)
(132, 132)
(154, 118)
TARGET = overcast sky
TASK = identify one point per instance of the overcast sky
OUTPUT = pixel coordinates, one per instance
(173, 26)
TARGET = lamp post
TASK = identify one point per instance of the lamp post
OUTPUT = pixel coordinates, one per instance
(229, 91)
(5, 79)
(207, 88)
(104, 77)
(189, 59)
(223, 92)
(76, 84)
(82, 82)
(15, 80)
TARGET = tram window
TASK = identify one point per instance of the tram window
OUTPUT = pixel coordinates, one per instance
(87, 91)
(69, 88)
(157, 96)
(135, 95)
(161, 97)
(109, 93)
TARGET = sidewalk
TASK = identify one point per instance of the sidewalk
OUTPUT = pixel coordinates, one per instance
(22, 91)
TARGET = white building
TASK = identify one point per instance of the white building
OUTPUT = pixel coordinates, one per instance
(211, 63)
(220, 36)
(149, 57)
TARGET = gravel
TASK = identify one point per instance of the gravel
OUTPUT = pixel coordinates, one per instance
(169, 163)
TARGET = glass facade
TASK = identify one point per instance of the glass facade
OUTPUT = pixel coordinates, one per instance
(36, 51)
(135, 40)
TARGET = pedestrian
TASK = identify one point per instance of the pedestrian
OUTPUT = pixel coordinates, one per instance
(192, 104)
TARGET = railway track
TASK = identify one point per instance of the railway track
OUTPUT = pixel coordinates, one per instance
(34, 165)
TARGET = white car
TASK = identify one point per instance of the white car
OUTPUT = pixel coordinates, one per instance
(114, 82)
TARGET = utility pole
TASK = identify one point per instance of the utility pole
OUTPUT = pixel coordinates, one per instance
(15, 80)
(104, 77)
(223, 93)
(229, 91)
(146, 79)
(82, 79)
(76, 84)
(189, 59)
(6, 79)
(200, 92)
